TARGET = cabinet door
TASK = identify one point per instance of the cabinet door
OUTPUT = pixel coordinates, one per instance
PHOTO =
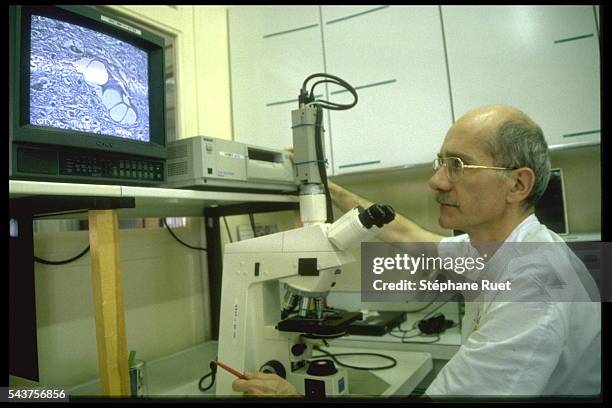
(212, 71)
(272, 51)
(394, 57)
(543, 60)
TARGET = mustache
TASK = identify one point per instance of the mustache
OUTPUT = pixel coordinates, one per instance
(443, 199)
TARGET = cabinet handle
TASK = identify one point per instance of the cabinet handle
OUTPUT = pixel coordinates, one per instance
(343, 166)
(288, 101)
(355, 15)
(390, 81)
(590, 132)
(580, 37)
(290, 31)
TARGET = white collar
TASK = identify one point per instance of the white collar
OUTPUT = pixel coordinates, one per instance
(519, 232)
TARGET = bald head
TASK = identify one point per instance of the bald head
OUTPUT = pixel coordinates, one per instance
(512, 139)
(488, 120)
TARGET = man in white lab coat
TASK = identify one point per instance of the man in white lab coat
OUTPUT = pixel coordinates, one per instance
(491, 169)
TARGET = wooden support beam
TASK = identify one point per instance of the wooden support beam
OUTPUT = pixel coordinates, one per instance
(108, 303)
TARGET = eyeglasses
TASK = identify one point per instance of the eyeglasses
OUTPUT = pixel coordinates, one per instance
(454, 167)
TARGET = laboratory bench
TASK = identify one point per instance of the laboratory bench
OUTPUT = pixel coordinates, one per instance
(178, 375)
(103, 204)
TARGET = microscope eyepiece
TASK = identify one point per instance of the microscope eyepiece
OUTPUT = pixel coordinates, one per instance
(376, 214)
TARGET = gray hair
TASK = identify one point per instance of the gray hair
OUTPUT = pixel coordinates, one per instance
(521, 143)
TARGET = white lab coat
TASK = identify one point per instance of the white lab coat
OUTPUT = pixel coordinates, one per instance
(525, 348)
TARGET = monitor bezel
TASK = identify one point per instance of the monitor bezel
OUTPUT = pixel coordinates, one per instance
(90, 18)
(564, 202)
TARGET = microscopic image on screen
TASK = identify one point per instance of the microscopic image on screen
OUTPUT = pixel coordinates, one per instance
(87, 81)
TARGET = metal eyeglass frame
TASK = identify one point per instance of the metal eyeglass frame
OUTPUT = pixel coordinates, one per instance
(442, 162)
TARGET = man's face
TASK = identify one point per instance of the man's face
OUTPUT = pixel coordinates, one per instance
(477, 199)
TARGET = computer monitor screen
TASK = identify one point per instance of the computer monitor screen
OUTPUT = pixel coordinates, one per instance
(550, 209)
(87, 81)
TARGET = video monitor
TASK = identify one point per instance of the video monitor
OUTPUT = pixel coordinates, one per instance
(87, 81)
(551, 208)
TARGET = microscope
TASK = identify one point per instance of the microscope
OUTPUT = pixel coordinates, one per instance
(274, 287)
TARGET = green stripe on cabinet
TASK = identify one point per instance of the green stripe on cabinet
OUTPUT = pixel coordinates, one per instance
(343, 166)
(366, 86)
(288, 101)
(580, 37)
(291, 31)
(590, 132)
(281, 102)
(355, 15)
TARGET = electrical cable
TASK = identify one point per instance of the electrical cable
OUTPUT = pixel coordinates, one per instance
(228, 230)
(321, 165)
(333, 356)
(213, 373)
(431, 312)
(179, 240)
(74, 258)
(307, 98)
(414, 327)
(252, 220)
(323, 82)
(337, 81)
(404, 337)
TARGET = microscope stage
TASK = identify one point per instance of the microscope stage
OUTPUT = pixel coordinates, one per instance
(329, 326)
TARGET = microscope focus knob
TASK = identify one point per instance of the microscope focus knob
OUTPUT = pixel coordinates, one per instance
(274, 367)
(322, 368)
(298, 349)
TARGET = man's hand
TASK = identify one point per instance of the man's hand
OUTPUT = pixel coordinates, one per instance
(261, 384)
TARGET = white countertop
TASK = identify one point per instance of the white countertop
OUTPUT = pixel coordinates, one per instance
(178, 375)
(443, 349)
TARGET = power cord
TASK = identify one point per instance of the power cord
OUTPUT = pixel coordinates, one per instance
(213, 368)
(422, 325)
(74, 258)
(309, 98)
(333, 357)
(252, 220)
(213, 374)
(178, 239)
(229, 235)
(404, 337)
(305, 97)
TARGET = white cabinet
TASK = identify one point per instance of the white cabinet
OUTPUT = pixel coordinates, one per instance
(543, 60)
(272, 51)
(175, 22)
(394, 57)
(198, 44)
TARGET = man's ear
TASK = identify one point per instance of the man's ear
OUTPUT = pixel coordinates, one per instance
(522, 181)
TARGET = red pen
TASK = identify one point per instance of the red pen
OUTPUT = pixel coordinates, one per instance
(230, 369)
